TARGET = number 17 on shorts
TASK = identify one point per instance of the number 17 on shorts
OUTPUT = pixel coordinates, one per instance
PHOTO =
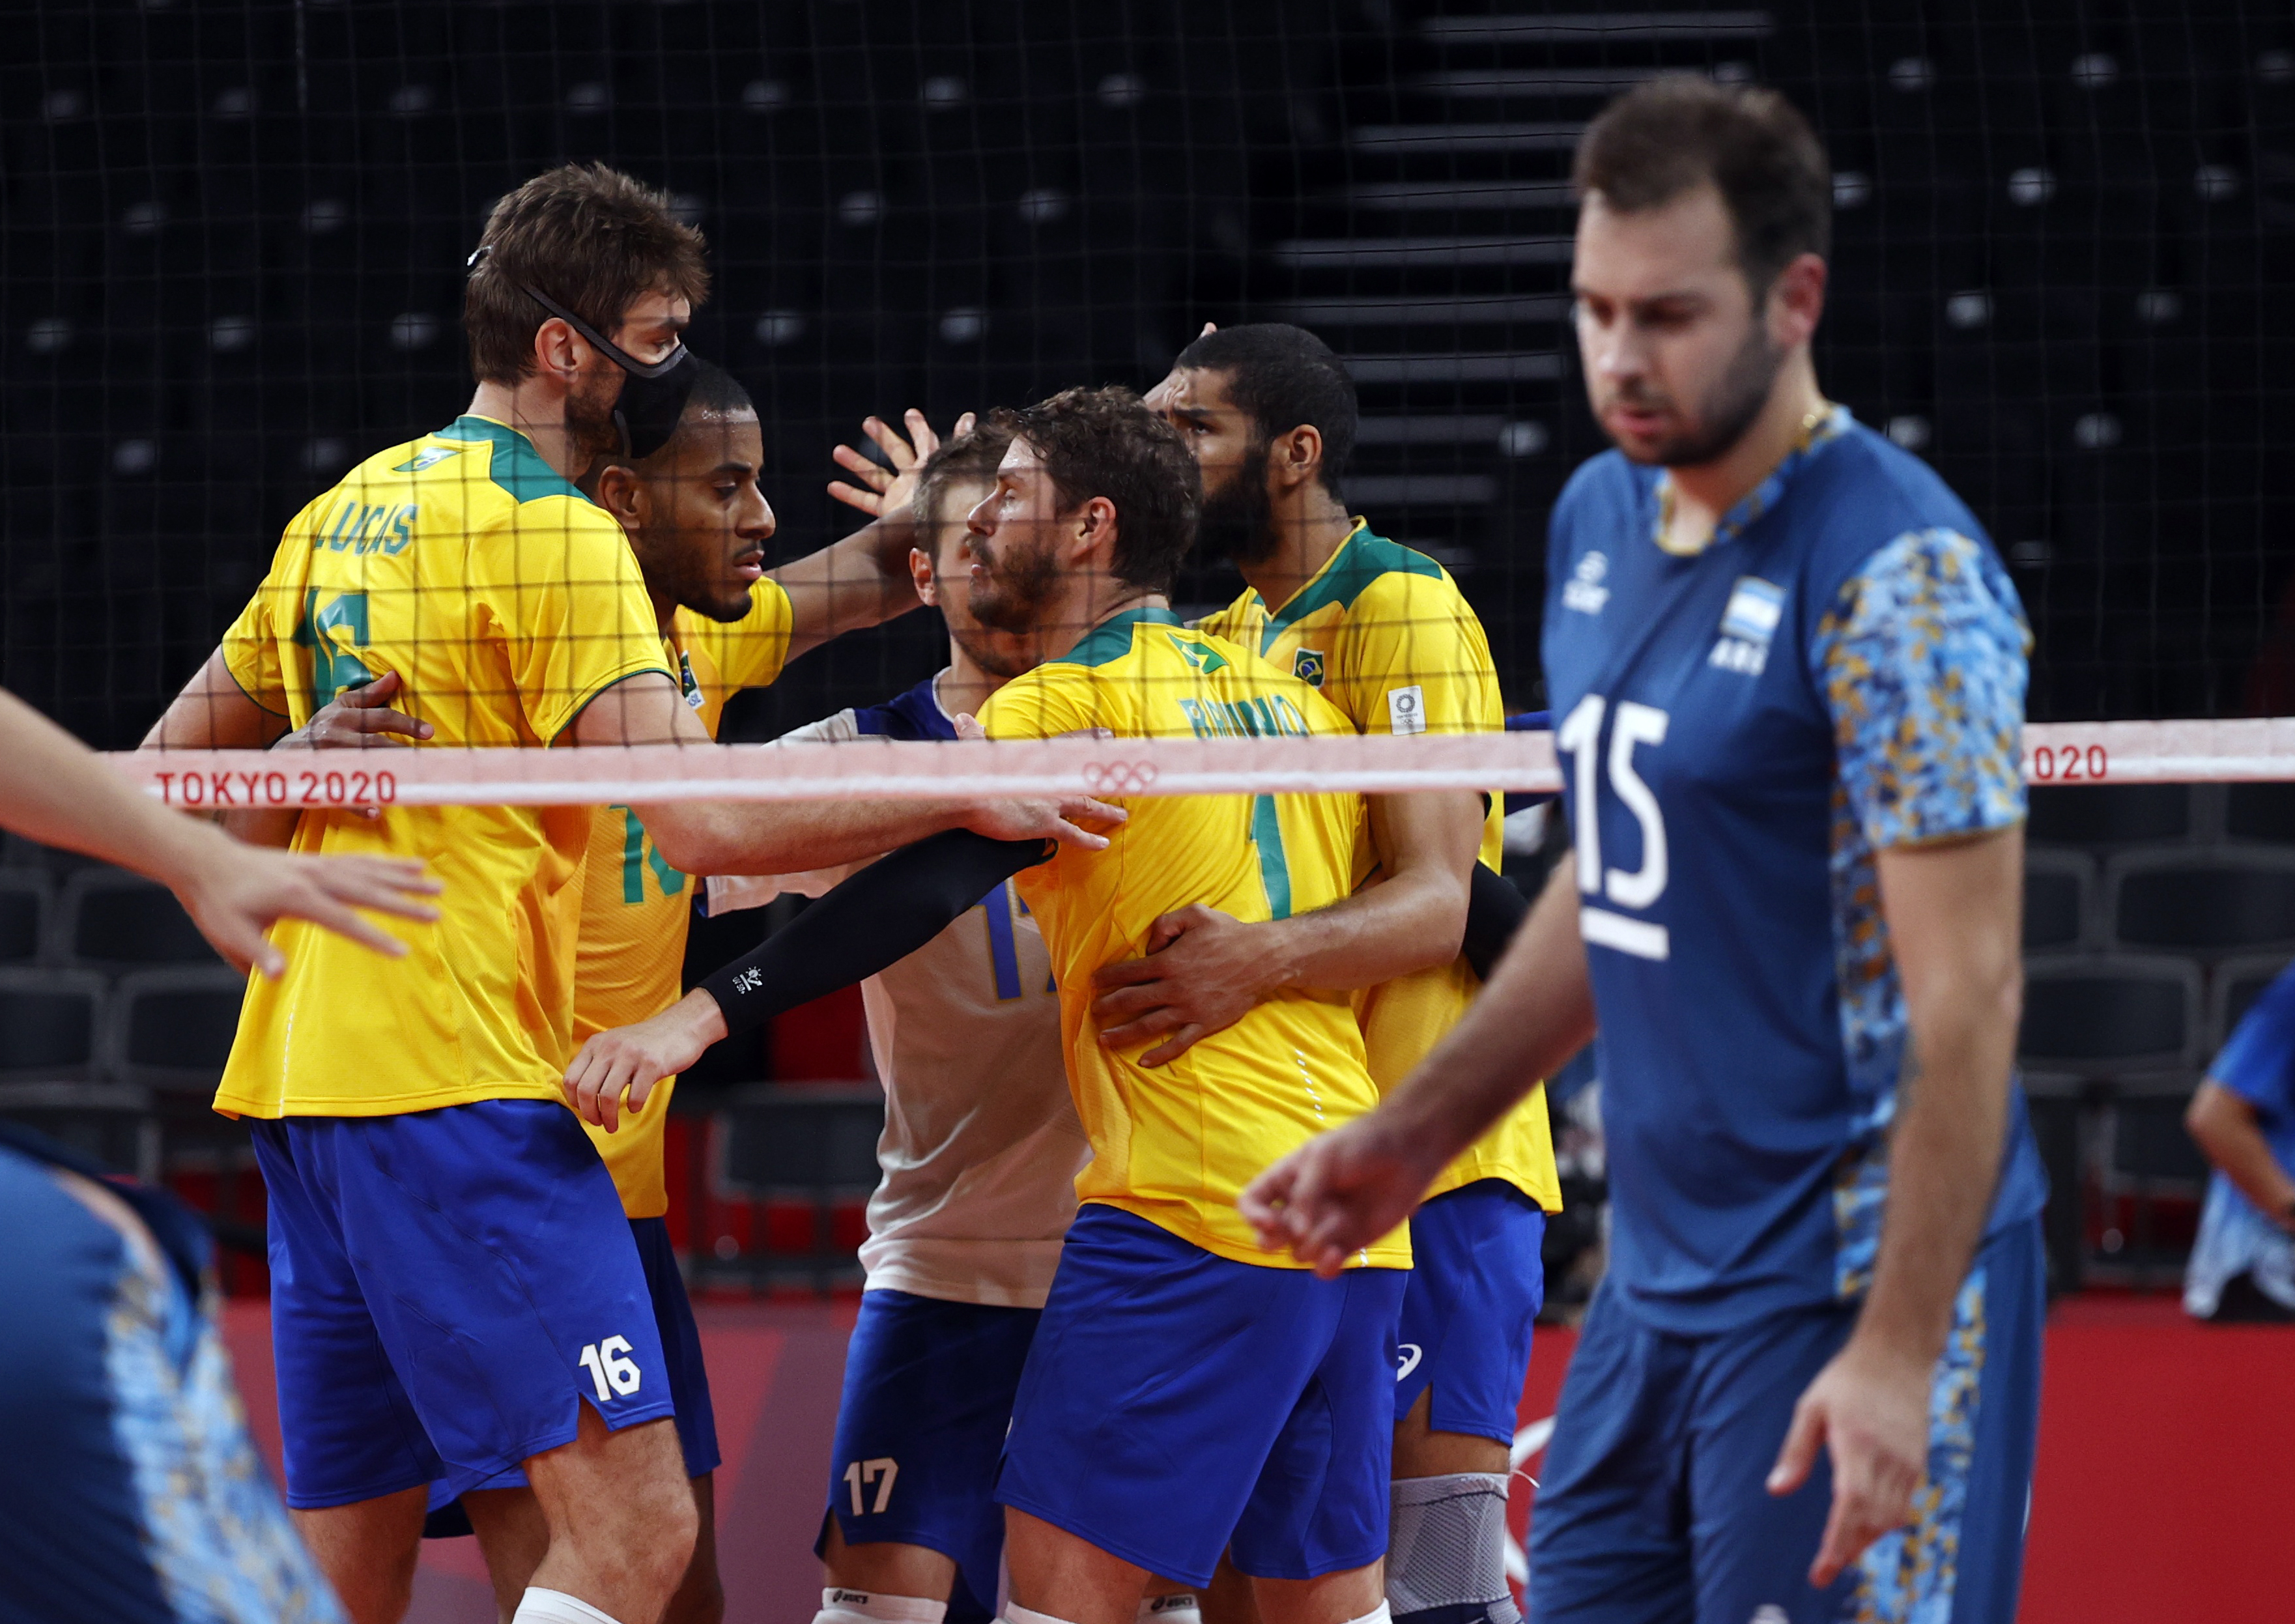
(861, 1473)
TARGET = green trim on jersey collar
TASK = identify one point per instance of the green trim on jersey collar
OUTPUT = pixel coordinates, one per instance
(515, 466)
(1360, 559)
(1111, 639)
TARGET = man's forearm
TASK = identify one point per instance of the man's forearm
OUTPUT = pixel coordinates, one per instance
(53, 789)
(1414, 921)
(789, 837)
(1534, 1013)
(2224, 1127)
(1944, 1162)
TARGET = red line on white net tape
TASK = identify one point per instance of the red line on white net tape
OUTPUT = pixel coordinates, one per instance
(2055, 753)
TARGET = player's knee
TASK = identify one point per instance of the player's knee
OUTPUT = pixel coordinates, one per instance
(843, 1604)
(1445, 1558)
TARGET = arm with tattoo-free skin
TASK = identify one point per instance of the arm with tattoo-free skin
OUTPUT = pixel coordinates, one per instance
(1954, 911)
(1339, 1192)
(1204, 970)
(53, 789)
(2223, 1124)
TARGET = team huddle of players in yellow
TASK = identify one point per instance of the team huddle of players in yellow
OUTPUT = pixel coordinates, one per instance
(461, 1318)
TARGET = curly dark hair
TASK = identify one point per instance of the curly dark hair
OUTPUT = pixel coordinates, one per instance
(592, 238)
(1106, 442)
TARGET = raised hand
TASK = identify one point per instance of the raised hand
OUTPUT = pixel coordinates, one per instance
(885, 492)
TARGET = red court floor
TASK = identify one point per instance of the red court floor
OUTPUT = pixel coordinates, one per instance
(2166, 1490)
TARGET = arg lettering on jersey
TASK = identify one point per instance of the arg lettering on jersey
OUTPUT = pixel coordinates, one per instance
(1748, 625)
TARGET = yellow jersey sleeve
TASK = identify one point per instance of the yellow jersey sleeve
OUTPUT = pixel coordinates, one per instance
(562, 593)
(1053, 700)
(748, 652)
(1416, 661)
(251, 644)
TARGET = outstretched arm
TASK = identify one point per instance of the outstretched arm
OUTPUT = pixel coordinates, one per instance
(53, 789)
(877, 917)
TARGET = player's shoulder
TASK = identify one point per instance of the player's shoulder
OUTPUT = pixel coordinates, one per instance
(1235, 621)
(497, 480)
(1608, 481)
(1865, 492)
(1371, 572)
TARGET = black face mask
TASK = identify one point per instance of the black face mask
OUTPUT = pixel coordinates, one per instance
(653, 396)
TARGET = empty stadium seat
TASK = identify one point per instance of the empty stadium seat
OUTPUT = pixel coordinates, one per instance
(2225, 900)
(24, 902)
(172, 1029)
(2107, 1015)
(2109, 814)
(2260, 812)
(48, 1023)
(2235, 987)
(807, 1142)
(2059, 899)
(108, 919)
(111, 1122)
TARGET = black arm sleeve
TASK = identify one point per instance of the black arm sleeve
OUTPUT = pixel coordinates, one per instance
(1495, 910)
(876, 918)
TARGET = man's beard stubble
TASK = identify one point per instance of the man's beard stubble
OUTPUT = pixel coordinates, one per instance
(1236, 522)
(1021, 582)
(1729, 407)
(589, 416)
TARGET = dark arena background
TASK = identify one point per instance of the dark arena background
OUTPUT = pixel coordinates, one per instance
(232, 241)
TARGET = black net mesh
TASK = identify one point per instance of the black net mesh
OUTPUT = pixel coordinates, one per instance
(234, 233)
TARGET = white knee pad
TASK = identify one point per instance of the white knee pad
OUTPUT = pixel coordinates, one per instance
(841, 1605)
(1447, 1548)
(1381, 1614)
(540, 1606)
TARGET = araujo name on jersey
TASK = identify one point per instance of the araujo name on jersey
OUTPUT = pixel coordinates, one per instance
(360, 528)
(1261, 717)
(1748, 625)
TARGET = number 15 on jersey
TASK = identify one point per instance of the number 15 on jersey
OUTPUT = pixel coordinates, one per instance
(1579, 738)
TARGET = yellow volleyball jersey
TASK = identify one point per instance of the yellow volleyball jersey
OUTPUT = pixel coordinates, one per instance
(1176, 1144)
(630, 962)
(1385, 635)
(506, 601)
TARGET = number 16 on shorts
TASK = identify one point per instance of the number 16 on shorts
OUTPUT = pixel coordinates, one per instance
(612, 1371)
(880, 1472)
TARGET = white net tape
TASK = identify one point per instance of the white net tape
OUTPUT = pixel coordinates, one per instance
(2057, 753)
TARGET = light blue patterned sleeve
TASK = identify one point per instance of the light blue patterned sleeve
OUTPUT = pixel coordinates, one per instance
(1922, 659)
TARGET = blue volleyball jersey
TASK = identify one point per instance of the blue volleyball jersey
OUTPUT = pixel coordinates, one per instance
(1840, 671)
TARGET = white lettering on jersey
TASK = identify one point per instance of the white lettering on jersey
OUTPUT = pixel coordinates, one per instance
(1406, 709)
(1748, 624)
(1577, 735)
(1584, 590)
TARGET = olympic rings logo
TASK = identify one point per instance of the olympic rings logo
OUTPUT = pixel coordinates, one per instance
(1119, 778)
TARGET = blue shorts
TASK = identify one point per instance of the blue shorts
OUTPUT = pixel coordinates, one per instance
(1651, 1506)
(1476, 1282)
(1177, 1405)
(928, 1391)
(447, 1288)
(689, 1380)
(133, 1493)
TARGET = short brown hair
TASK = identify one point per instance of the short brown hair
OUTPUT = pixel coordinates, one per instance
(1672, 134)
(590, 237)
(1107, 443)
(971, 456)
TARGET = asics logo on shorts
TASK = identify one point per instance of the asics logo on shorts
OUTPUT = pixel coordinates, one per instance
(1411, 1354)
